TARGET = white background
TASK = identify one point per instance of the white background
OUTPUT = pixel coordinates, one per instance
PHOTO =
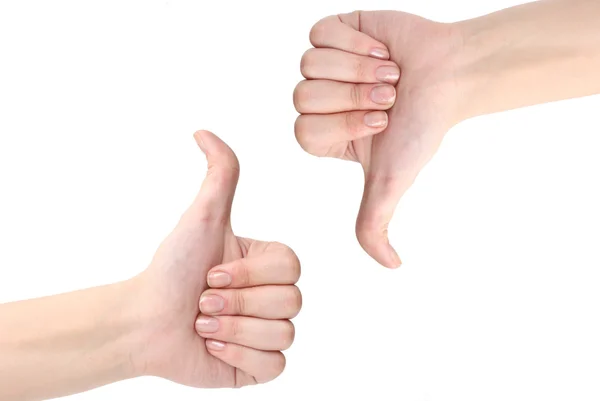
(498, 296)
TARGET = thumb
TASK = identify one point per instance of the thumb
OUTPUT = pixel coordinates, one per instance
(213, 202)
(388, 177)
(380, 197)
(398, 163)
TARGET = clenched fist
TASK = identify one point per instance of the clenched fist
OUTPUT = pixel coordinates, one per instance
(217, 306)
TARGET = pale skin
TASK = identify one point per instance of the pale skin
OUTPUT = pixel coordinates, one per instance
(211, 310)
(383, 88)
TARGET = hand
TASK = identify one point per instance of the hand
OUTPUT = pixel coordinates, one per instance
(217, 306)
(364, 64)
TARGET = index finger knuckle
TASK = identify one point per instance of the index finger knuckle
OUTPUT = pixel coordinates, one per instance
(319, 33)
(288, 259)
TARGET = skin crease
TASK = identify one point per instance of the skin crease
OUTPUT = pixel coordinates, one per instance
(186, 267)
(160, 322)
(424, 110)
(180, 269)
(530, 54)
(170, 355)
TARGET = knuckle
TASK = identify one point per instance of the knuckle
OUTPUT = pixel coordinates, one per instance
(300, 128)
(356, 96)
(307, 63)
(288, 335)
(223, 174)
(293, 301)
(302, 96)
(241, 273)
(306, 138)
(292, 264)
(295, 268)
(302, 131)
(239, 302)
(359, 69)
(372, 225)
(318, 32)
(354, 125)
(365, 235)
(273, 369)
(278, 365)
(235, 328)
(290, 260)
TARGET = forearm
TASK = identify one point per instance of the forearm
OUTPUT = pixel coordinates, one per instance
(64, 344)
(535, 53)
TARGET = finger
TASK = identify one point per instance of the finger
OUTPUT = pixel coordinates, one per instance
(213, 202)
(329, 135)
(261, 366)
(266, 335)
(278, 264)
(326, 97)
(332, 32)
(400, 158)
(337, 65)
(370, 23)
(267, 302)
(380, 197)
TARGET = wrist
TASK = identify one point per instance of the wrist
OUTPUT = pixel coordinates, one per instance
(156, 322)
(473, 68)
(483, 68)
(128, 328)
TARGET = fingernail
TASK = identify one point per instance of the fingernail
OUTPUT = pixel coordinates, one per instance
(198, 138)
(211, 303)
(388, 73)
(395, 259)
(383, 94)
(376, 119)
(205, 324)
(218, 279)
(215, 345)
(380, 53)
(206, 140)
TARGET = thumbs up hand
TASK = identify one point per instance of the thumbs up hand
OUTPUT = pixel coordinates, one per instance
(215, 307)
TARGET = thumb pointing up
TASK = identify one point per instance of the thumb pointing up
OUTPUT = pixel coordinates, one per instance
(213, 202)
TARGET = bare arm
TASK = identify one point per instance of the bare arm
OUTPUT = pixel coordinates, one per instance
(200, 314)
(65, 344)
(383, 88)
(535, 53)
